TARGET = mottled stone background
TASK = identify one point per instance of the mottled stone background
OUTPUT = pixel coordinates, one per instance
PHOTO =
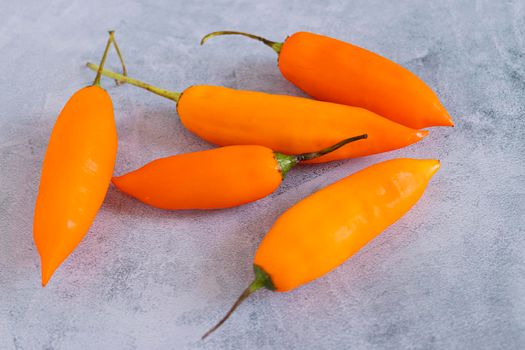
(450, 274)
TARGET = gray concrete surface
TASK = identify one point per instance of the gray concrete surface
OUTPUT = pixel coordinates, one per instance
(449, 275)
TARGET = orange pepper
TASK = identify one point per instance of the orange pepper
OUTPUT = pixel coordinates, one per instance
(332, 70)
(213, 179)
(76, 172)
(323, 230)
(286, 124)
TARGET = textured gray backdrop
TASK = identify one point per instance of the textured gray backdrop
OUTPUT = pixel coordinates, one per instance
(450, 274)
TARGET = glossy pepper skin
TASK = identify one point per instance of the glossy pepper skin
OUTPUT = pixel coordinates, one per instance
(213, 179)
(75, 177)
(218, 178)
(325, 229)
(286, 124)
(332, 70)
(76, 172)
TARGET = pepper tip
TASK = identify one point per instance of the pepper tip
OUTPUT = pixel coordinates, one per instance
(46, 276)
(434, 167)
(449, 121)
(48, 268)
(421, 134)
(445, 119)
(115, 180)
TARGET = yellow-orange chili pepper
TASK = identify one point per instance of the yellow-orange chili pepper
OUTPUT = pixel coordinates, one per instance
(76, 172)
(286, 124)
(218, 178)
(332, 70)
(323, 230)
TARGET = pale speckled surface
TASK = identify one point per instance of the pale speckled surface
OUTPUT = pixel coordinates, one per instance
(450, 274)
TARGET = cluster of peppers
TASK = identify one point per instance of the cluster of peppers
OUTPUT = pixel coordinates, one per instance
(360, 97)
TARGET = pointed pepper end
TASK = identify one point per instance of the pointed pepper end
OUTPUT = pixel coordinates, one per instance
(433, 167)
(447, 120)
(116, 181)
(47, 273)
(417, 136)
(442, 118)
(437, 165)
(421, 134)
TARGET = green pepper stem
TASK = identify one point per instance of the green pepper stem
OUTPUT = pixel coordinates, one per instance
(276, 46)
(119, 54)
(96, 82)
(172, 95)
(262, 279)
(111, 40)
(287, 162)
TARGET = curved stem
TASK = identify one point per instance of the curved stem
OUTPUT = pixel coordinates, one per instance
(172, 95)
(309, 156)
(276, 46)
(119, 54)
(96, 82)
(287, 162)
(247, 292)
(262, 279)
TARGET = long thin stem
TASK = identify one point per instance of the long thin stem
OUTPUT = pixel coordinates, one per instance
(111, 40)
(247, 292)
(262, 279)
(287, 162)
(172, 95)
(309, 156)
(276, 46)
(119, 54)
(96, 82)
